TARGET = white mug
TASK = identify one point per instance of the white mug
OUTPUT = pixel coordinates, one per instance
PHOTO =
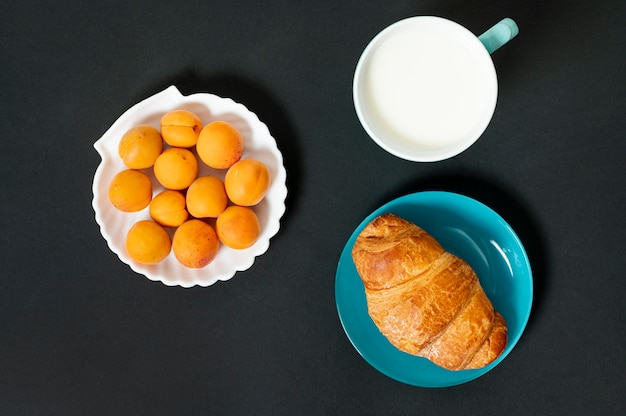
(425, 88)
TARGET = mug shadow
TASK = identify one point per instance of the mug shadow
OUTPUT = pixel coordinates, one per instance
(507, 205)
(256, 99)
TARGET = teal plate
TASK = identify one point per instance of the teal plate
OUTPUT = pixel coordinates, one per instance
(468, 229)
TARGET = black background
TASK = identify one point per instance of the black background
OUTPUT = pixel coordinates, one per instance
(81, 334)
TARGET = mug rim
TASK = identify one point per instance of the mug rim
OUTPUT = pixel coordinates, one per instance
(389, 144)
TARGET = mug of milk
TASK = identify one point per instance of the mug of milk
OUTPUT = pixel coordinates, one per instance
(425, 88)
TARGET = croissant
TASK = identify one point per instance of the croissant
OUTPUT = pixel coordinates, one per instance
(424, 300)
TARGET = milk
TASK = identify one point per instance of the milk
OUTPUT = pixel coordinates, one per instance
(426, 86)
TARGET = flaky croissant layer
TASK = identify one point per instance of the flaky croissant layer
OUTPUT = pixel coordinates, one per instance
(426, 301)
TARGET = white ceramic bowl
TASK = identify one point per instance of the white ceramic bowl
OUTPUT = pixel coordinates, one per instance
(258, 143)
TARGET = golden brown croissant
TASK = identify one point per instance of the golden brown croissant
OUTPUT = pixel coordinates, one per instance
(426, 301)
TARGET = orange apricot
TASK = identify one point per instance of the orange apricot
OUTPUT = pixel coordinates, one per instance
(195, 243)
(168, 208)
(180, 128)
(140, 146)
(219, 145)
(147, 242)
(247, 182)
(130, 190)
(206, 197)
(238, 227)
(176, 168)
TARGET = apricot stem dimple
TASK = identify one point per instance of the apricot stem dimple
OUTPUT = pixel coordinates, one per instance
(180, 128)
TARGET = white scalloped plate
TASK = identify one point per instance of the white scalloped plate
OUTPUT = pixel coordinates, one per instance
(258, 143)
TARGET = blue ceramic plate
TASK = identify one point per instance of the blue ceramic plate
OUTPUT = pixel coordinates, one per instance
(468, 229)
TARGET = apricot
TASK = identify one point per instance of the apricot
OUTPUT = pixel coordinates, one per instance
(180, 128)
(238, 227)
(206, 197)
(130, 190)
(195, 243)
(219, 145)
(147, 242)
(247, 182)
(168, 208)
(140, 146)
(176, 168)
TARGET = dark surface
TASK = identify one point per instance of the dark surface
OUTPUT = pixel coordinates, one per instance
(81, 334)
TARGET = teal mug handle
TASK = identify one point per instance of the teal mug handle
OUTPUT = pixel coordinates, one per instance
(499, 34)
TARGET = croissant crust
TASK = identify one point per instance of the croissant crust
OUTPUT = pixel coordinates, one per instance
(426, 301)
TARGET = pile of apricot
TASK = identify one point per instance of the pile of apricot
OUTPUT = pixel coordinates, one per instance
(201, 211)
